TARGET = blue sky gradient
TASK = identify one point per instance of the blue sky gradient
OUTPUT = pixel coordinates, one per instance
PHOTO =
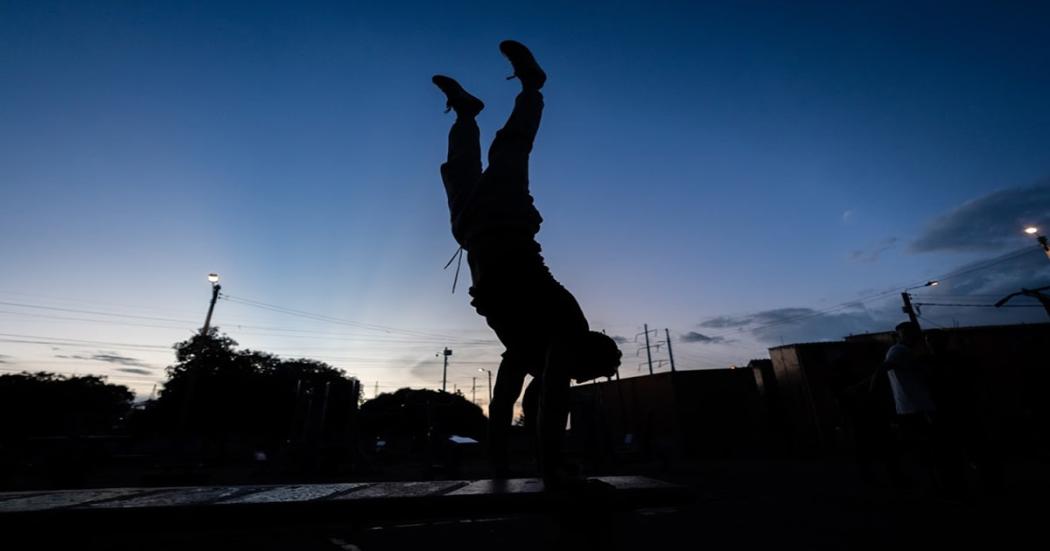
(695, 162)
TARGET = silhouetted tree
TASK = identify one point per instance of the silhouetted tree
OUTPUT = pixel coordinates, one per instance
(416, 413)
(46, 404)
(214, 389)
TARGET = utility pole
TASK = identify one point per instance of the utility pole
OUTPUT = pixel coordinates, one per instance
(215, 287)
(444, 372)
(906, 298)
(670, 353)
(648, 354)
(376, 392)
(474, 390)
(489, 371)
(909, 309)
(191, 382)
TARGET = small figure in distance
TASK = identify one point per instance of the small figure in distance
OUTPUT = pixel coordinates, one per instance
(538, 321)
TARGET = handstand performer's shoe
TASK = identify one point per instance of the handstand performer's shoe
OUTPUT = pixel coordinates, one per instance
(526, 69)
(458, 98)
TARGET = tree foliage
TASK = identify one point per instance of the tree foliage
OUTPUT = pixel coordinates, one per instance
(416, 413)
(46, 404)
(215, 389)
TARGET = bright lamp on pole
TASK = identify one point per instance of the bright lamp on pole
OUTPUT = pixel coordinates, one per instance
(213, 278)
(930, 283)
(1033, 231)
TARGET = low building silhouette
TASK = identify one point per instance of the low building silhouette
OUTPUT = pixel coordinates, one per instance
(699, 414)
(1006, 365)
(795, 402)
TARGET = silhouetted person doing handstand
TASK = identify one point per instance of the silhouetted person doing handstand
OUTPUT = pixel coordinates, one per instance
(545, 332)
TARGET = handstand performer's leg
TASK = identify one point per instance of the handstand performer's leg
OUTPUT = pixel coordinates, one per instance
(553, 414)
(462, 170)
(530, 404)
(509, 153)
(509, 380)
(510, 150)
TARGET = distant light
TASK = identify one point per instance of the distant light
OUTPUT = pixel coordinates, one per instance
(1031, 230)
(214, 278)
(933, 283)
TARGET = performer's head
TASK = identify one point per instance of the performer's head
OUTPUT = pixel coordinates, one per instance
(594, 355)
(908, 333)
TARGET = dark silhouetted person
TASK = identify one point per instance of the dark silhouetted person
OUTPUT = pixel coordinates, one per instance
(908, 376)
(908, 369)
(538, 321)
(867, 404)
(954, 387)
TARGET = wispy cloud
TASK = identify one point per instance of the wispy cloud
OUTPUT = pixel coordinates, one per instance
(872, 253)
(991, 222)
(1027, 270)
(977, 279)
(108, 357)
(987, 223)
(3, 359)
(805, 324)
(723, 322)
(135, 370)
(618, 339)
(694, 337)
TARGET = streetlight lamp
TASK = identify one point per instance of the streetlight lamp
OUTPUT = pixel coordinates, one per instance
(906, 298)
(483, 370)
(1033, 231)
(930, 283)
(215, 287)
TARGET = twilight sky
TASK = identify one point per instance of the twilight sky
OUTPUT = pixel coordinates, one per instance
(744, 174)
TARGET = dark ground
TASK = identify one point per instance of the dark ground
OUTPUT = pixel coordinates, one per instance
(740, 504)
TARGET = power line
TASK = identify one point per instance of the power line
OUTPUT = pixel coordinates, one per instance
(93, 312)
(52, 298)
(862, 300)
(27, 339)
(989, 263)
(850, 303)
(978, 305)
(931, 322)
(248, 302)
(415, 335)
(89, 320)
(190, 325)
(331, 319)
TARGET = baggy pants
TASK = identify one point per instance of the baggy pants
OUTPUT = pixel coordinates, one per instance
(533, 315)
